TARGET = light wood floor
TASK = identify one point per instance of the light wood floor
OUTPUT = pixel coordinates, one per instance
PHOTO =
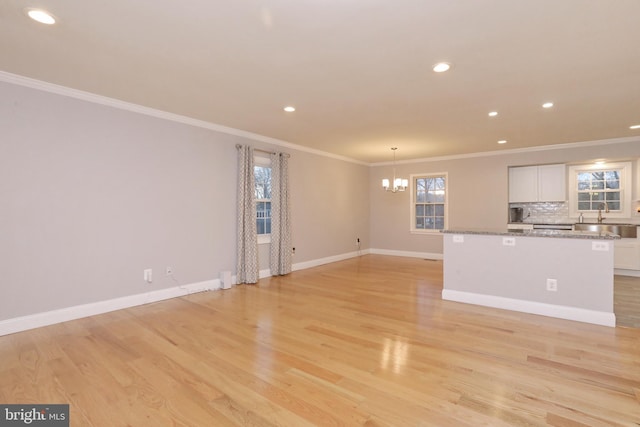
(363, 342)
(626, 301)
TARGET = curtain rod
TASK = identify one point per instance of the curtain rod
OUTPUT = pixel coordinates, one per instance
(239, 146)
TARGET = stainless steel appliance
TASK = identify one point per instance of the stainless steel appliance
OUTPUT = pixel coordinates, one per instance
(564, 227)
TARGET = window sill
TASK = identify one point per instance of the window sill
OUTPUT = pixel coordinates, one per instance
(264, 239)
(427, 232)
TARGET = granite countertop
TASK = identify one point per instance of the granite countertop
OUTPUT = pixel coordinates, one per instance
(564, 234)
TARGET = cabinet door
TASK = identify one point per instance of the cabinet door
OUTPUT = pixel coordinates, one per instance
(626, 254)
(552, 183)
(523, 184)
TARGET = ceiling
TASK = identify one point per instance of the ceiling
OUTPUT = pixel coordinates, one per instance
(359, 72)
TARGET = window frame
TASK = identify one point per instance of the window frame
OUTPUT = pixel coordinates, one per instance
(412, 202)
(263, 162)
(624, 169)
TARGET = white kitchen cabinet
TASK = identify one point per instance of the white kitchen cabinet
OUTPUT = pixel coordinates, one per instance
(545, 183)
(552, 183)
(627, 254)
(523, 184)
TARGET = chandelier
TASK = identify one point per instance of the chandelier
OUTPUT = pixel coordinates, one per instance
(398, 183)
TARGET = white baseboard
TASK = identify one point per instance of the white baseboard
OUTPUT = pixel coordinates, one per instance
(321, 261)
(47, 318)
(625, 272)
(562, 312)
(23, 323)
(409, 254)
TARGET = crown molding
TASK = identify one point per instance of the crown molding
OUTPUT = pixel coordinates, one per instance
(152, 112)
(514, 151)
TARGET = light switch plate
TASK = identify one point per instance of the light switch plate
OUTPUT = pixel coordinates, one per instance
(600, 246)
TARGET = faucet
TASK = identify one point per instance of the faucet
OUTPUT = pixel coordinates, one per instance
(606, 210)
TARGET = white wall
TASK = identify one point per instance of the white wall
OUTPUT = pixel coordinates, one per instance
(91, 195)
(478, 191)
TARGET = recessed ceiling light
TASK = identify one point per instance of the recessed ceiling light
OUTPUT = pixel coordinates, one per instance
(493, 114)
(547, 105)
(289, 109)
(502, 141)
(634, 127)
(599, 162)
(441, 67)
(41, 16)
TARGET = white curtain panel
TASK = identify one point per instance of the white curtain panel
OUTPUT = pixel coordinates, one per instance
(247, 244)
(280, 257)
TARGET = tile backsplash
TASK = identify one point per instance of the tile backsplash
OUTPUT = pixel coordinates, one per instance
(544, 212)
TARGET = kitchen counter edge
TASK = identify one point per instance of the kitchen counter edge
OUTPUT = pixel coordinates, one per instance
(557, 234)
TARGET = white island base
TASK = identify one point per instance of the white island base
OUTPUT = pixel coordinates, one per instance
(518, 272)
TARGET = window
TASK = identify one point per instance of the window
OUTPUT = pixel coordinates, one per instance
(597, 187)
(428, 202)
(262, 174)
(594, 187)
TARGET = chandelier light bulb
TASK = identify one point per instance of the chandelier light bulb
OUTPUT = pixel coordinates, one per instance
(399, 184)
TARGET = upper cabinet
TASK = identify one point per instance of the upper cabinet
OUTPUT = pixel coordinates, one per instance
(523, 184)
(547, 183)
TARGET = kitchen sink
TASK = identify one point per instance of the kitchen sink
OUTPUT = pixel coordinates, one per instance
(622, 230)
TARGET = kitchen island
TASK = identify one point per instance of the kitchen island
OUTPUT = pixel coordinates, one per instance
(564, 274)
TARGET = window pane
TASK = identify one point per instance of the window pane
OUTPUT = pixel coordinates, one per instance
(421, 192)
(612, 180)
(584, 206)
(614, 195)
(419, 210)
(439, 225)
(597, 185)
(430, 184)
(419, 222)
(612, 175)
(429, 210)
(584, 181)
(582, 197)
(597, 196)
(262, 177)
(614, 206)
(440, 210)
(263, 215)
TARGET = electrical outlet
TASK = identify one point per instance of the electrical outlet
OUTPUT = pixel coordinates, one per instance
(168, 271)
(148, 275)
(552, 285)
(509, 241)
(599, 246)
